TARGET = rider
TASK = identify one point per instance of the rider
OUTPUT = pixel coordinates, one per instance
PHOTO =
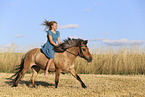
(53, 37)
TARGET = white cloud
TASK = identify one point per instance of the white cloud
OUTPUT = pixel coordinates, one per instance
(107, 34)
(12, 5)
(98, 39)
(123, 42)
(76, 37)
(19, 36)
(138, 10)
(8, 48)
(87, 10)
(69, 26)
(7, 45)
(118, 42)
(95, 3)
(1, 26)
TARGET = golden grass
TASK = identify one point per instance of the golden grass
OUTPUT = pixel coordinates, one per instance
(8, 61)
(98, 86)
(106, 60)
(114, 61)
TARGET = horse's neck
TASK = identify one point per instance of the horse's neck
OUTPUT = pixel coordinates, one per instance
(72, 52)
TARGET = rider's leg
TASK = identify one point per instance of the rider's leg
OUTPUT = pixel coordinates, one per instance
(47, 67)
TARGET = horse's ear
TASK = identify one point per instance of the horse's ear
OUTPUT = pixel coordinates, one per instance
(69, 38)
(85, 42)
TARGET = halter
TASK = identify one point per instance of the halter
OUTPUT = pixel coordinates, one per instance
(80, 51)
(71, 53)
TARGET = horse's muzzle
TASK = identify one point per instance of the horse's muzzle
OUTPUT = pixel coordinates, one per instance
(89, 59)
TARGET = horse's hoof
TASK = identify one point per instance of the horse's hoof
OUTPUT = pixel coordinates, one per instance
(84, 86)
(14, 85)
(34, 86)
(63, 73)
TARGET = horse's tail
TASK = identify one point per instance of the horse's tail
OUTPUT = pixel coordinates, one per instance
(19, 67)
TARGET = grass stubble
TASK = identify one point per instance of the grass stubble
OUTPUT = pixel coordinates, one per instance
(97, 86)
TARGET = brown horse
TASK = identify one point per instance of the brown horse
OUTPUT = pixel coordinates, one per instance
(63, 60)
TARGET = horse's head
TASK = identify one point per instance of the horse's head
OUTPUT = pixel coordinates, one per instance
(84, 51)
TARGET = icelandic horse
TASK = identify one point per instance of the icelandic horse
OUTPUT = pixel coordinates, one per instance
(63, 62)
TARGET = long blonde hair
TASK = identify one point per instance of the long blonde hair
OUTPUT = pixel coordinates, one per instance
(48, 24)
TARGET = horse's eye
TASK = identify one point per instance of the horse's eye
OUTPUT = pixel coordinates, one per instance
(84, 49)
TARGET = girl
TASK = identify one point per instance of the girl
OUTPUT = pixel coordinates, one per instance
(53, 36)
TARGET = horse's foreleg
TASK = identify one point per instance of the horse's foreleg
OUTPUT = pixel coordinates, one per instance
(34, 74)
(73, 72)
(57, 74)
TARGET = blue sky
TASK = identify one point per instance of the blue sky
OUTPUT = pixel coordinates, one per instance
(109, 22)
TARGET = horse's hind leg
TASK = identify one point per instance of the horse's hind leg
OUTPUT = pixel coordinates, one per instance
(35, 69)
(17, 79)
(78, 78)
(25, 68)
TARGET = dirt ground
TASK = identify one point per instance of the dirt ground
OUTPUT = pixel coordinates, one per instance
(97, 86)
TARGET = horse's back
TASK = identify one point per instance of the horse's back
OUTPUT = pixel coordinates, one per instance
(30, 57)
(41, 60)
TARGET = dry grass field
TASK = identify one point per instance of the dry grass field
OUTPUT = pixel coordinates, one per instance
(98, 86)
(106, 60)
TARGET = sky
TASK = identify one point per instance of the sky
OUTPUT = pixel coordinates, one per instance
(109, 22)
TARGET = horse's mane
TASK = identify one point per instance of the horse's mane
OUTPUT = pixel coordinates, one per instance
(68, 43)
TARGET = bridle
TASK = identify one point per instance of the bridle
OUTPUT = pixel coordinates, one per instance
(83, 56)
(72, 53)
(79, 53)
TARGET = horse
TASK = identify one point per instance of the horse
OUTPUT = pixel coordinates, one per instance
(63, 62)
